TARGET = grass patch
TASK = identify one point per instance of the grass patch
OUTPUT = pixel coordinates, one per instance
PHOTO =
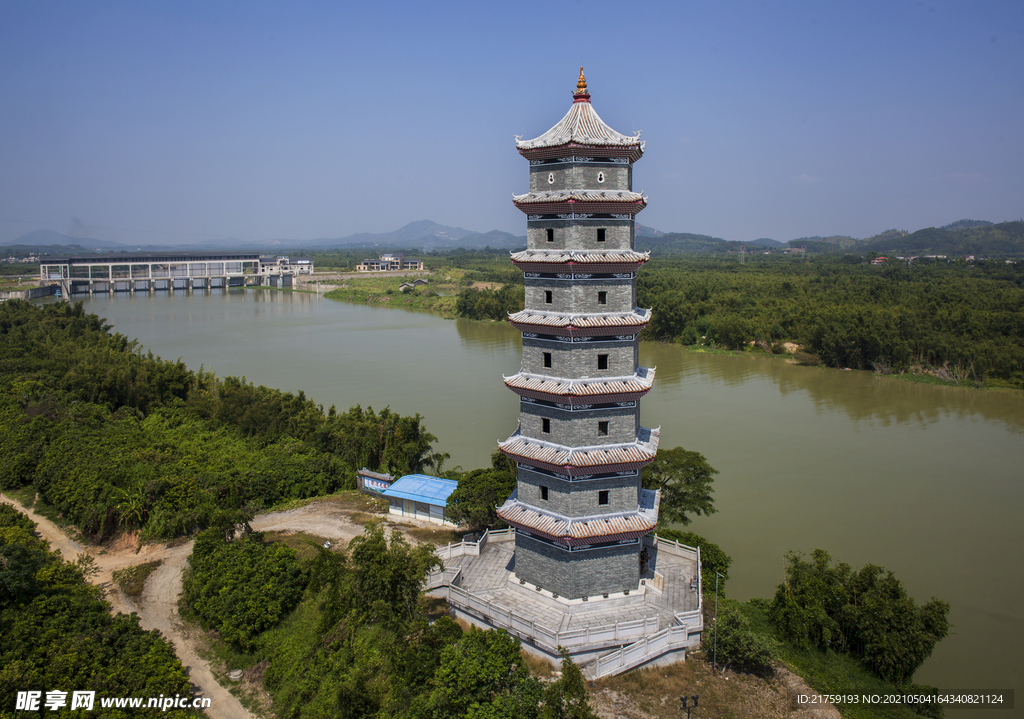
(133, 579)
(385, 292)
(539, 667)
(434, 535)
(25, 495)
(345, 499)
(304, 544)
(655, 692)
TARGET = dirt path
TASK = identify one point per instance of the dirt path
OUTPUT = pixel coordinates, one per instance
(158, 607)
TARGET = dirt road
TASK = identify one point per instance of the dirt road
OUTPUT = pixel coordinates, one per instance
(158, 606)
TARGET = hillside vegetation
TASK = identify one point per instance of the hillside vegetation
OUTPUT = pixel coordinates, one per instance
(117, 439)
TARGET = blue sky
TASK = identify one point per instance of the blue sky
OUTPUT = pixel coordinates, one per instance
(166, 122)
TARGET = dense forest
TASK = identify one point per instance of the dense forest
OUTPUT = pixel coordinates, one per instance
(117, 439)
(59, 636)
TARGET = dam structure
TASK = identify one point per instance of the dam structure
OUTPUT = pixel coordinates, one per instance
(146, 272)
(580, 567)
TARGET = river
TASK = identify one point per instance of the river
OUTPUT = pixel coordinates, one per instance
(923, 480)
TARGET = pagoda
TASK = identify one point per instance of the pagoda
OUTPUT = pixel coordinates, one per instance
(579, 510)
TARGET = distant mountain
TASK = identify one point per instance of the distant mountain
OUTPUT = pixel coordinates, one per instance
(766, 242)
(494, 239)
(44, 238)
(421, 234)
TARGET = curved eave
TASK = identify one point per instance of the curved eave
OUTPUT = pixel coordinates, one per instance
(631, 152)
(580, 325)
(578, 461)
(582, 261)
(576, 531)
(569, 266)
(584, 207)
(578, 393)
(578, 401)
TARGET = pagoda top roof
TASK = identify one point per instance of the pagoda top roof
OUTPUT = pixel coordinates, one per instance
(581, 126)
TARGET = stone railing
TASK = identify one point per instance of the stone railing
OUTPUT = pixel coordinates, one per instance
(642, 651)
(550, 639)
(474, 549)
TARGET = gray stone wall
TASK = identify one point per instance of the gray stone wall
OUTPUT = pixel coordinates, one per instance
(581, 499)
(579, 429)
(579, 295)
(579, 176)
(582, 235)
(580, 359)
(591, 573)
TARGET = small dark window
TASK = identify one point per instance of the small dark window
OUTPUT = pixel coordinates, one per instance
(602, 429)
(602, 298)
(547, 297)
(600, 235)
(545, 425)
(547, 359)
(602, 497)
(543, 492)
(551, 234)
(602, 361)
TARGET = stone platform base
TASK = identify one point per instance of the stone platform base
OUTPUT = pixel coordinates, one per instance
(604, 636)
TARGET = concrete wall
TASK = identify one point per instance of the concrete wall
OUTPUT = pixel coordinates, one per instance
(590, 573)
(580, 359)
(579, 429)
(581, 235)
(581, 176)
(581, 499)
(580, 295)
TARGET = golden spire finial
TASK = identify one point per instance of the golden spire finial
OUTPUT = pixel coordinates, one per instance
(581, 85)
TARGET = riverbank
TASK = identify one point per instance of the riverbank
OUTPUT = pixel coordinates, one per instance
(431, 291)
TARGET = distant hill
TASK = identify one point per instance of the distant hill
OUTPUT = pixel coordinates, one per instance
(645, 231)
(1005, 239)
(672, 242)
(47, 238)
(965, 225)
(844, 242)
(766, 242)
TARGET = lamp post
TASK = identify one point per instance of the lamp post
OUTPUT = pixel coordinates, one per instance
(683, 705)
(714, 660)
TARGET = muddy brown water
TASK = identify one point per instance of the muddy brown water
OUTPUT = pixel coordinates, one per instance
(927, 481)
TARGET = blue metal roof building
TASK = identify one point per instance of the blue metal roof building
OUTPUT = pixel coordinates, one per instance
(420, 496)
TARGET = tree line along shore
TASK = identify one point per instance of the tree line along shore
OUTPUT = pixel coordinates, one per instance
(949, 320)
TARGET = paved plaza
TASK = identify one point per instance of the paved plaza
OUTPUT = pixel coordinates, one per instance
(487, 576)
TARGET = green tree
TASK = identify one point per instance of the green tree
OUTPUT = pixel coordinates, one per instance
(483, 676)
(567, 698)
(739, 645)
(387, 572)
(867, 614)
(684, 478)
(480, 492)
